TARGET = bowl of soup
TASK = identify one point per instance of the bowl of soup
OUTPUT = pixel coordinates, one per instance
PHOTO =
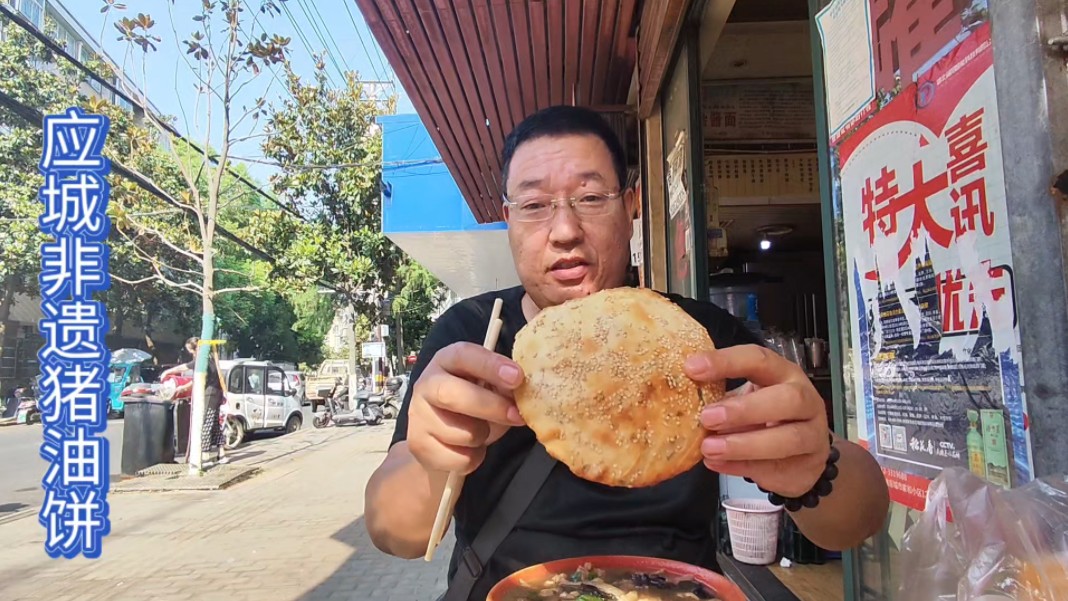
(615, 578)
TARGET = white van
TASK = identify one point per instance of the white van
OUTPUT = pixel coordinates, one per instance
(259, 397)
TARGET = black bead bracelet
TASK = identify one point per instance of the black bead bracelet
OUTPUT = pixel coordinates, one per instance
(820, 489)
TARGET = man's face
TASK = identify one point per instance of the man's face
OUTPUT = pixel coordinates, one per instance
(567, 256)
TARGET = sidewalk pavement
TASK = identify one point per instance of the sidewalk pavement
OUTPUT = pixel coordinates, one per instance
(245, 463)
(294, 532)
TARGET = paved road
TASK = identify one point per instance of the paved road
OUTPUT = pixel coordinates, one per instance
(21, 465)
(294, 532)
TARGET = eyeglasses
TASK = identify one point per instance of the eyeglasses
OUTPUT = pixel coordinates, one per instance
(541, 207)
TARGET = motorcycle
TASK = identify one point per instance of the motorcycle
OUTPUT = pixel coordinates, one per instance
(393, 397)
(28, 412)
(338, 412)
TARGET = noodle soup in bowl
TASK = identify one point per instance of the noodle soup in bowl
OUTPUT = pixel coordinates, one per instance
(615, 578)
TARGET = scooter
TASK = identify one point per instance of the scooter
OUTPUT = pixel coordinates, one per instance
(337, 410)
(392, 399)
(372, 406)
(28, 412)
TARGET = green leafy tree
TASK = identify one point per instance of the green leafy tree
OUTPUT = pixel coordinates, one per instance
(314, 314)
(20, 152)
(52, 90)
(329, 148)
(420, 296)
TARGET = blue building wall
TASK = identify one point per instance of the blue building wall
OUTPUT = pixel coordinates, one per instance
(418, 192)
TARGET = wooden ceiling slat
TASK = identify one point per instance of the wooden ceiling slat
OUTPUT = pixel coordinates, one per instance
(466, 62)
(476, 115)
(413, 24)
(414, 78)
(501, 24)
(651, 18)
(491, 57)
(591, 22)
(539, 42)
(572, 39)
(621, 42)
(658, 50)
(630, 54)
(624, 46)
(490, 93)
(555, 39)
(424, 34)
(606, 43)
(521, 38)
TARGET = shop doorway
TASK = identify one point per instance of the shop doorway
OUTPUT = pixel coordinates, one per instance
(759, 248)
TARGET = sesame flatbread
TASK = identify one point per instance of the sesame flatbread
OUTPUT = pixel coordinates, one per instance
(605, 392)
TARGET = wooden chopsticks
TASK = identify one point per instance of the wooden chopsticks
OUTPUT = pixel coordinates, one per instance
(456, 480)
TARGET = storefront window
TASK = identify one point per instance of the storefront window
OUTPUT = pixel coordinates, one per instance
(678, 173)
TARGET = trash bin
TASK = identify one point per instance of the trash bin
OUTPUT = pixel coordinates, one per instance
(754, 528)
(182, 415)
(147, 434)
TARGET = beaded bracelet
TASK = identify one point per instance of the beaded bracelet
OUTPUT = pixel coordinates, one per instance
(820, 489)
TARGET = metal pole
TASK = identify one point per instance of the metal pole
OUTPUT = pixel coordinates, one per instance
(400, 343)
(376, 337)
(353, 379)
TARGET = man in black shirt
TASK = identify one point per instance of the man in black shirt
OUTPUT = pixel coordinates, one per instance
(569, 226)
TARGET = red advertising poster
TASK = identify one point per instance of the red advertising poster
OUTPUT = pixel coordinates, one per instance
(933, 363)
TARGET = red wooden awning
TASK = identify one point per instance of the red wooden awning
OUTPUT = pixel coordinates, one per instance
(474, 68)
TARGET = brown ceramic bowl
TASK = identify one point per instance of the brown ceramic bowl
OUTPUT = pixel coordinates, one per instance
(720, 585)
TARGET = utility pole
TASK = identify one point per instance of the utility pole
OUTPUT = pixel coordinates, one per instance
(399, 335)
(353, 379)
(375, 302)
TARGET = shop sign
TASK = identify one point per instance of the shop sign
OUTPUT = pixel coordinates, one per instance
(373, 350)
(934, 357)
(749, 111)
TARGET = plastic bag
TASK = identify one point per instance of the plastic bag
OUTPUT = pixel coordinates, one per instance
(1001, 544)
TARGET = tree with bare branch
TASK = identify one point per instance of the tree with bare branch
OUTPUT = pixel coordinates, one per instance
(226, 51)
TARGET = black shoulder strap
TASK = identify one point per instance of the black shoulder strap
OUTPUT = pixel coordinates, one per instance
(516, 498)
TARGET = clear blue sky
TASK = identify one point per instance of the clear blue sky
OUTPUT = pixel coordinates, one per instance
(336, 26)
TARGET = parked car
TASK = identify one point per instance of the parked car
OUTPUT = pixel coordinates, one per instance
(259, 397)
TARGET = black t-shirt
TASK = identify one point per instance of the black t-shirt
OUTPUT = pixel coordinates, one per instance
(213, 384)
(570, 516)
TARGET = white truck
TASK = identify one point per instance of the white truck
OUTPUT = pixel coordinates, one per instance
(319, 385)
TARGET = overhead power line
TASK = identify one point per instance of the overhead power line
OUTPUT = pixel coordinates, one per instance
(377, 55)
(34, 117)
(370, 59)
(308, 45)
(323, 39)
(57, 49)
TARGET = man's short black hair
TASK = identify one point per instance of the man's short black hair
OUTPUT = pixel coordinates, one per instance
(564, 120)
